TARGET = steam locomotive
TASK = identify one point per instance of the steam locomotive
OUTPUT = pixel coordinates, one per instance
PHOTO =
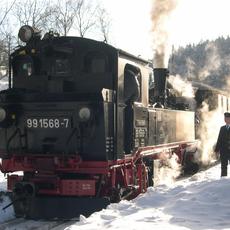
(81, 122)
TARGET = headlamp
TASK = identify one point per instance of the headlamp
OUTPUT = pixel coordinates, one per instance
(84, 114)
(26, 33)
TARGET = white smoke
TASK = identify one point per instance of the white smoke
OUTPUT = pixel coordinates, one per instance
(168, 171)
(160, 16)
(208, 129)
(182, 86)
(210, 121)
(212, 61)
(191, 66)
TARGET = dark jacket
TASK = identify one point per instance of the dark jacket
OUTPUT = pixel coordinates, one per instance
(223, 141)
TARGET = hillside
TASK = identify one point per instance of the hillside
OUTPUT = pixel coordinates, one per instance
(207, 62)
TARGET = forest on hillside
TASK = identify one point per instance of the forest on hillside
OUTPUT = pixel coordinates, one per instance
(207, 62)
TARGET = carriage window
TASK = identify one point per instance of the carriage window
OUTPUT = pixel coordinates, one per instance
(222, 102)
(228, 104)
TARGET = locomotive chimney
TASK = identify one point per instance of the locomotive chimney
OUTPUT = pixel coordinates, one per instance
(160, 75)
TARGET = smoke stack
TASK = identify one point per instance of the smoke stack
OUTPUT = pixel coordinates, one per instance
(160, 75)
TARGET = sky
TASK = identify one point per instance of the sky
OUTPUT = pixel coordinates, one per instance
(195, 203)
(190, 23)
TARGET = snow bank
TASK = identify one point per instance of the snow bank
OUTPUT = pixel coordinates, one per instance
(199, 202)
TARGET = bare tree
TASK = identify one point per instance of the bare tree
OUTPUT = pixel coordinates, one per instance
(3, 59)
(6, 11)
(85, 16)
(7, 43)
(32, 12)
(6, 37)
(104, 23)
(63, 16)
(5, 49)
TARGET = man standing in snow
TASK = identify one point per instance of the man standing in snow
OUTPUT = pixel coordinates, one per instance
(223, 144)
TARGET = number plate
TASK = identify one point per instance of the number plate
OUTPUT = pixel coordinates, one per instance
(48, 123)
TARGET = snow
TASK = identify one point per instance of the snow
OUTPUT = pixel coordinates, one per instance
(4, 200)
(2, 181)
(3, 83)
(199, 202)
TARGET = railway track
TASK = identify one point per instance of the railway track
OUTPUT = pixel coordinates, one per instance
(23, 224)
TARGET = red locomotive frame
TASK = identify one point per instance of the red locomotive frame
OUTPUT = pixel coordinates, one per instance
(122, 171)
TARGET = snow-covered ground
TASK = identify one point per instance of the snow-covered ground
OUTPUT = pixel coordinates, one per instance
(4, 83)
(199, 202)
(8, 213)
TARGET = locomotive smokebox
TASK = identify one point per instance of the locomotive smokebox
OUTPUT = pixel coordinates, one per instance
(160, 75)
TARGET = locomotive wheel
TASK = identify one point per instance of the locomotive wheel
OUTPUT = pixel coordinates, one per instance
(62, 208)
(190, 166)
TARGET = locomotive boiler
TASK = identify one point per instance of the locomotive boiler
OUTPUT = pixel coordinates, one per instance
(77, 121)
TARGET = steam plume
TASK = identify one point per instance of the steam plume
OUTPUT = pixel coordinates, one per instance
(160, 14)
(168, 172)
(182, 86)
(208, 130)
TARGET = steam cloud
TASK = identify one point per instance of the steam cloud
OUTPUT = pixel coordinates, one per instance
(210, 121)
(168, 172)
(161, 10)
(183, 87)
(160, 15)
(208, 130)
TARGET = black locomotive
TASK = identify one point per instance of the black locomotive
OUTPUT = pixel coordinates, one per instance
(78, 121)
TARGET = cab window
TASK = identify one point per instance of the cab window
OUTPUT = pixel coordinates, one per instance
(132, 84)
(23, 66)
